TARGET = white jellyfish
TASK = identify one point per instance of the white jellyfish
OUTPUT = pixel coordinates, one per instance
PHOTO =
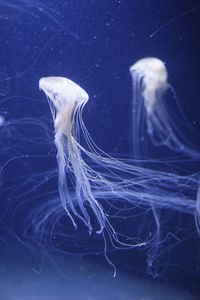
(153, 118)
(154, 75)
(119, 184)
(68, 99)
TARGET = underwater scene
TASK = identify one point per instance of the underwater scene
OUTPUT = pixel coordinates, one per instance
(99, 150)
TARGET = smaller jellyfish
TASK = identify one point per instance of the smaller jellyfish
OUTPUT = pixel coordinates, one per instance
(154, 75)
(154, 117)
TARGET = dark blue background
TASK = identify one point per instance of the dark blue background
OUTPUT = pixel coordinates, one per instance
(94, 43)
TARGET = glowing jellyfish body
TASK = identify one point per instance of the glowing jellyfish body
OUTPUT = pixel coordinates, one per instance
(151, 113)
(68, 99)
(154, 75)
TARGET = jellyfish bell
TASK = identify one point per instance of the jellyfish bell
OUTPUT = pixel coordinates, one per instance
(68, 91)
(150, 67)
(65, 96)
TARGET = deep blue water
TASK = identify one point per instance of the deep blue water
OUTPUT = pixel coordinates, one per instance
(93, 43)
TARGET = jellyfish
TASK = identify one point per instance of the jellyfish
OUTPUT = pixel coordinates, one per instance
(153, 118)
(67, 100)
(96, 188)
(155, 123)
